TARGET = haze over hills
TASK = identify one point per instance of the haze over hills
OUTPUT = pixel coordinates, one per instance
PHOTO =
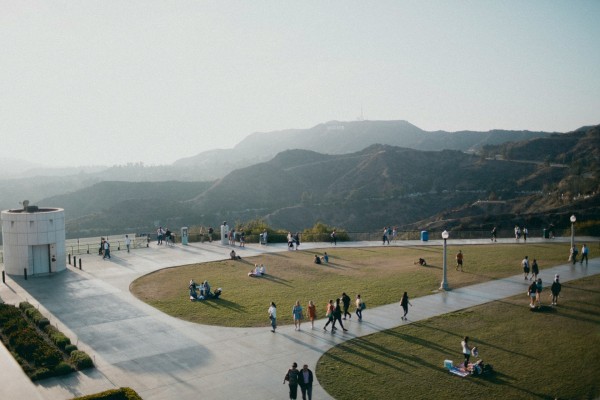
(365, 190)
(346, 137)
(361, 190)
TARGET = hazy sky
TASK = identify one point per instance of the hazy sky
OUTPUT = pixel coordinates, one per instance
(117, 81)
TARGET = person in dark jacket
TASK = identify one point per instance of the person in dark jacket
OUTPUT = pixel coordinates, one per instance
(346, 303)
(337, 316)
(555, 289)
(306, 381)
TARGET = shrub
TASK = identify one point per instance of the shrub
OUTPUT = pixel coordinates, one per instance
(40, 373)
(62, 369)
(81, 360)
(113, 394)
(25, 305)
(46, 356)
(70, 348)
(42, 323)
(8, 312)
(57, 337)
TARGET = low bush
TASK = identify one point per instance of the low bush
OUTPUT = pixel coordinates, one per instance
(70, 348)
(113, 394)
(40, 358)
(62, 369)
(42, 323)
(57, 337)
(80, 360)
(25, 305)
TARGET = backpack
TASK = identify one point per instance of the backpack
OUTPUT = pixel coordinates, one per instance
(363, 306)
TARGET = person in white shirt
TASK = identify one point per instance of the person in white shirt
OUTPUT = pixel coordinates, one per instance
(127, 242)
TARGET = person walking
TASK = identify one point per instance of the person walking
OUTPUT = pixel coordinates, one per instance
(573, 254)
(459, 260)
(297, 314)
(525, 265)
(538, 292)
(337, 316)
(535, 270)
(584, 254)
(404, 302)
(334, 238)
(359, 307)
(292, 377)
(532, 293)
(555, 289)
(273, 316)
(127, 243)
(385, 235)
(466, 350)
(329, 315)
(525, 233)
(312, 313)
(346, 304)
(106, 249)
(494, 234)
(306, 381)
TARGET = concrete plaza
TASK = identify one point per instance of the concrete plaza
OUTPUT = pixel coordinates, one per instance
(162, 357)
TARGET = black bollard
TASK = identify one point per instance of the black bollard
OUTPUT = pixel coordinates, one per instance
(69, 258)
(3, 278)
(75, 261)
(79, 262)
(25, 273)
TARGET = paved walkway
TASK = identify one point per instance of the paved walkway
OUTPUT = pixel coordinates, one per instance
(162, 357)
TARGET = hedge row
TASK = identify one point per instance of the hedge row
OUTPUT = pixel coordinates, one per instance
(114, 394)
(39, 357)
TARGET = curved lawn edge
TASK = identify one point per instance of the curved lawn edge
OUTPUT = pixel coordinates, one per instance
(379, 274)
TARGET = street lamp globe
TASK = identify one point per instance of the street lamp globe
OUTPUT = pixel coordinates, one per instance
(573, 219)
(445, 234)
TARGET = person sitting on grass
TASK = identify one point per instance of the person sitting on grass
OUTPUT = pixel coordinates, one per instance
(192, 287)
(325, 258)
(317, 259)
(234, 256)
(421, 262)
(255, 272)
(262, 269)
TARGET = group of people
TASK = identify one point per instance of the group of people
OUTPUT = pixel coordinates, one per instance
(389, 232)
(303, 378)
(202, 291)
(104, 249)
(164, 235)
(258, 271)
(535, 269)
(573, 253)
(234, 237)
(521, 233)
(293, 240)
(324, 259)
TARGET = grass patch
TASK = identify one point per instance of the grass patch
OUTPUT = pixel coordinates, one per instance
(379, 274)
(544, 355)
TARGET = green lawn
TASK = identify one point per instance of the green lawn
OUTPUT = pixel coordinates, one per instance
(379, 274)
(543, 355)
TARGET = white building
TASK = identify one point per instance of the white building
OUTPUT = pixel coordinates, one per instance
(33, 238)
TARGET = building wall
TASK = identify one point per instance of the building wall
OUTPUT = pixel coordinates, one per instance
(33, 240)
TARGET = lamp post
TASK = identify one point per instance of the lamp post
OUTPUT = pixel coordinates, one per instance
(573, 219)
(444, 285)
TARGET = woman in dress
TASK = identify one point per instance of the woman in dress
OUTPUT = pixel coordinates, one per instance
(297, 314)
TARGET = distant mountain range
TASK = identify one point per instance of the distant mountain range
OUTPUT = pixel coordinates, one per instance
(345, 137)
(365, 189)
